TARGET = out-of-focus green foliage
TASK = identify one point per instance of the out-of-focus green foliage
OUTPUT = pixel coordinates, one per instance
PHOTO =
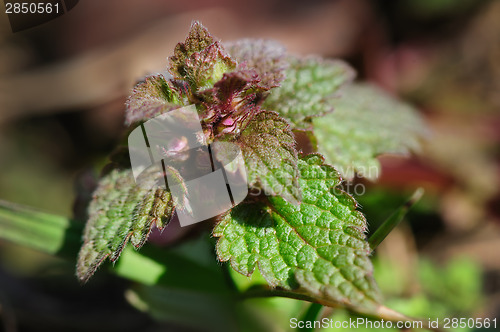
(309, 90)
(444, 292)
(366, 122)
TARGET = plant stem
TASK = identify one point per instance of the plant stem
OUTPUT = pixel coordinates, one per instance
(379, 312)
(311, 315)
(390, 223)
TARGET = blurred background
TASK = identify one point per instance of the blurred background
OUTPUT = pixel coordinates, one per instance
(63, 86)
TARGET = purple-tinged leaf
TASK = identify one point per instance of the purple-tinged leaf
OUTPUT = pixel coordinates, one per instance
(268, 148)
(154, 96)
(121, 211)
(200, 60)
(266, 57)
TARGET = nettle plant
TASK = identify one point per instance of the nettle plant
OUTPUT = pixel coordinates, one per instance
(301, 124)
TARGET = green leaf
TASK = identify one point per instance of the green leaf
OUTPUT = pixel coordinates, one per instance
(121, 211)
(308, 89)
(154, 96)
(200, 59)
(366, 123)
(318, 247)
(266, 57)
(268, 148)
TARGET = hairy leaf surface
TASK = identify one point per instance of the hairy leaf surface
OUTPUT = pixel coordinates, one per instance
(308, 90)
(366, 123)
(268, 148)
(152, 97)
(121, 211)
(318, 246)
(266, 57)
(200, 59)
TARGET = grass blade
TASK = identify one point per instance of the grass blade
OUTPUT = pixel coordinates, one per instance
(52, 234)
(390, 223)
